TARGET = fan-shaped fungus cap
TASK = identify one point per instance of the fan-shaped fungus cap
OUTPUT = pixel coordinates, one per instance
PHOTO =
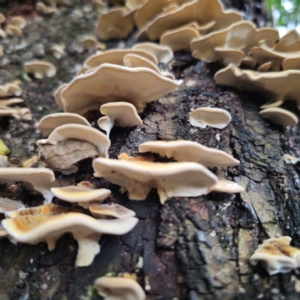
(82, 196)
(265, 67)
(86, 230)
(41, 179)
(274, 85)
(115, 57)
(190, 151)
(57, 95)
(117, 23)
(171, 179)
(18, 21)
(164, 54)
(40, 69)
(121, 114)
(277, 255)
(2, 18)
(2, 33)
(136, 61)
(90, 42)
(58, 51)
(10, 89)
(290, 42)
(48, 123)
(13, 30)
(41, 7)
(110, 211)
(79, 132)
(207, 116)
(226, 186)
(11, 101)
(117, 288)
(111, 83)
(279, 116)
(135, 4)
(179, 38)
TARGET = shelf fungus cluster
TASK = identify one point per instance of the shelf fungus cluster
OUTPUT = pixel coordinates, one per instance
(276, 255)
(189, 177)
(14, 25)
(49, 222)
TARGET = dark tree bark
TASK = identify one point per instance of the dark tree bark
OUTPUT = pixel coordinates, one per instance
(192, 248)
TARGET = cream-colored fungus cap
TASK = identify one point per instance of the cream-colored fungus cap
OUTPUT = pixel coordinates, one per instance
(118, 288)
(57, 95)
(113, 210)
(290, 42)
(8, 205)
(40, 68)
(190, 152)
(164, 54)
(41, 7)
(226, 186)
(82, 196)
(2, 18)
(13, 30)
(279, 116)
(117, 23)
(179, 179)
(135, 4)
(78, 132)
(18, 21)
(136, 61)
(275, 86)
(48, 123)
(115, 57)
(207, 116)
(112, 83)
(85, 229)
(276, 255)
(265, 67)
(41, 179)
(10, 89)
(121, 114)
(10, 101)
(58, 50)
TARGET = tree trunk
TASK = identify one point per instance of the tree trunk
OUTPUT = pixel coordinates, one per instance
(189, 248)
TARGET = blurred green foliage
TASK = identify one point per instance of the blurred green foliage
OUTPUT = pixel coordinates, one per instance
(285, 13)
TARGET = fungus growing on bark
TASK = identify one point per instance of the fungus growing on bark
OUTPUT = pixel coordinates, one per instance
(2, 18)
(48, 123)
(115, 57)
(290, 42)
(136, 61)
(232, 44)
(207, 116)
(112, 83)
(279, 116)
(9, 205)
(58, 51)
(276, 255)
(226, 186)
(11, 101)
(163, 54)
(10, 89)
(275, 86)
(40, 69)
(82, 196)
(41, 7)
(108, 211)
(33, 229)
(121, 114)
(117, 23)
(118, 288)
(41, 179)
(70, 143)
(184, 179)
(90, 42)
(189, 151)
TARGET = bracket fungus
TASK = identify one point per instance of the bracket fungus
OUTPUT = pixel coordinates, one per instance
(48, 123)
(9, 205)
(112, 83)
(277, 255)
(41, 179)
(58, 50)
(18, 21)
(276, 86)
(108, 211)
(163, 54)
(188, 151)
(33, 229)
(10, 89)
(179, 179)
(118, 288)
(40, 69)
(226, 186)
(82, 196)
(279, 116)
(115, 57)
(121, 114)
(232, 44)
(70, 143)
(207, 116)
(117, 23)
(13, 30)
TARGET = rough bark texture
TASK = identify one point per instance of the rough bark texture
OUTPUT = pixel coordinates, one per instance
(192, 248)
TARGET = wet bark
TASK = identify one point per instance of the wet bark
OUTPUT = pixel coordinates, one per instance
(192, 248)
